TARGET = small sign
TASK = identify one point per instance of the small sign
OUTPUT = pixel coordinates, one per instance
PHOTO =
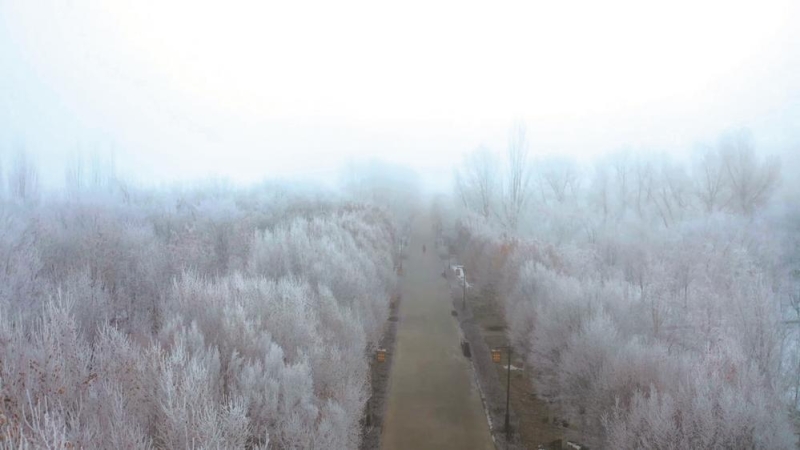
(496, 355)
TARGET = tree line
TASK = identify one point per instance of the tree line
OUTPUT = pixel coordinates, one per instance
(652, 299)
(199, 317)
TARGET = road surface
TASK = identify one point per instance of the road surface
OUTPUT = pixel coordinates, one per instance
(433, 400)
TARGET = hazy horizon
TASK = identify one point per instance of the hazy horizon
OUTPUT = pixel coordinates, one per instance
(187, 90)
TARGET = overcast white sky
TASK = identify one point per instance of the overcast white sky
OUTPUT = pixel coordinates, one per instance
(184, 89)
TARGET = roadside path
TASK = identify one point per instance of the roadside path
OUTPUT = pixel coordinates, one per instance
(433, 400)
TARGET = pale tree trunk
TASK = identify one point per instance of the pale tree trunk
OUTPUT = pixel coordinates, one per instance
(518, 181)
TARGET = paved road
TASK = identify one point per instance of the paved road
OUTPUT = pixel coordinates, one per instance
(433, 401)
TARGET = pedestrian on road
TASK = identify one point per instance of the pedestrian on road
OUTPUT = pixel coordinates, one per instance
(423, 248)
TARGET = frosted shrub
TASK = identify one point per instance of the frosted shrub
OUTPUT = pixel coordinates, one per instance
(268, 332)
(551, 323)
(584, 358)
(358, 276)
(58, 390)
(726, 407)
(193, 413)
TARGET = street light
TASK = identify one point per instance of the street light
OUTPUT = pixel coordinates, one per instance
(460, 269)
(496, 353)
(464, 301)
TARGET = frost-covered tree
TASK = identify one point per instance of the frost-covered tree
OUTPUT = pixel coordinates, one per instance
(75, 175)
(516, 186)
(751, 180)
(664, 325)
(558, 179)
(23, 178)
(711, 181)
(193, 318)
(2, 180)
(477, 182)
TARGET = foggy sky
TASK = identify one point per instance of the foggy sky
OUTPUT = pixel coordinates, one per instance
(186, 89)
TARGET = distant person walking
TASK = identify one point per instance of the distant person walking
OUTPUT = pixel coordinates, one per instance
(423, 248)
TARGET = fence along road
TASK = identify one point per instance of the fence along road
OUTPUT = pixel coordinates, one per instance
(433, 401)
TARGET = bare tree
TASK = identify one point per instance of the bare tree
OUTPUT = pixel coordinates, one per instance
(74, 175)
(461, 188)
(600, 192)
(515, 193)
(477, 180)
(23, 179)
(559, 177)
(751, 180)
(622, 172)
(103, 171)
(2, 181)
(710, 181)
(643, 180)
(670, 197)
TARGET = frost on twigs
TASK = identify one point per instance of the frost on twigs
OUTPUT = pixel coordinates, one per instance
(190, 319)
(654, 303)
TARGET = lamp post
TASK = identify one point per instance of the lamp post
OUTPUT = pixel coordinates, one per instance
(464, 298)
(496, 358)
(464, 285)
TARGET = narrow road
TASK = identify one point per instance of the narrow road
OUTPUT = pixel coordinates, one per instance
(433, 400)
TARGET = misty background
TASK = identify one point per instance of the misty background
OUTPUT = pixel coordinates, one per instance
(207, 213)
(244, 91)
